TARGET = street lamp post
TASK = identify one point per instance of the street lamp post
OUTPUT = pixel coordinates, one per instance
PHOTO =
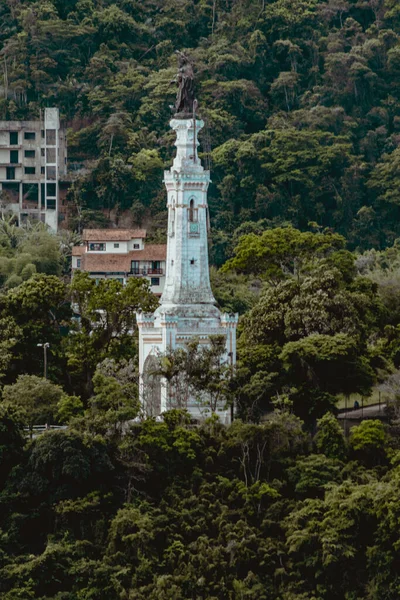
(44, 346)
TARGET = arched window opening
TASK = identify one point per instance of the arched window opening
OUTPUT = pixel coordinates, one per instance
(192, 212)
(151, 387)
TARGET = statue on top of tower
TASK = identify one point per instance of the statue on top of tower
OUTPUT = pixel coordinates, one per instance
(185, 100)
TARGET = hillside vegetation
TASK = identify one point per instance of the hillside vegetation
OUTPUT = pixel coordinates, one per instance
(301, 100)
(300, 97)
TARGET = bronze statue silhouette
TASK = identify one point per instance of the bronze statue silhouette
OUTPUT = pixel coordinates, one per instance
(185, 100)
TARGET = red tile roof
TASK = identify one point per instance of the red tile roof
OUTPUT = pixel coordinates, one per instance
(150, 252)
(121, 235)
(78, 250)
(105, 263)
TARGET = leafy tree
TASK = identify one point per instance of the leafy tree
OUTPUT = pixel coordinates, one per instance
(35, 397)
(11, 441)
(41, 310)
(329, 439)
(209, 374)
(368, 441)
(107, 316)
(282, 251)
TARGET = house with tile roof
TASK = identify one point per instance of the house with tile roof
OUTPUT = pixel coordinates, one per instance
(121, 254)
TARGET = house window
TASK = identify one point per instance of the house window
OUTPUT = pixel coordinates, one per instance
(13, 138)
(136, 246)
(30, 170)
(41, 151)
(155, 281)
(42, 170)
(156, 267)
(14, 157)
(29, 135)
(135, 269)
(116, 245)
(10, 173)
(97, 247)
(78, 263)
(29, 154)
(42, 133)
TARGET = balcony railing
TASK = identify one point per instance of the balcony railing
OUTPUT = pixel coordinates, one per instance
(144, 271)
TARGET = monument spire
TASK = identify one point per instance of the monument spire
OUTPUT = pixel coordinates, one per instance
(187, 309)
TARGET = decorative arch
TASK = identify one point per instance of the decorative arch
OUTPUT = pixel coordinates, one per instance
(151, 387)
(192, 212)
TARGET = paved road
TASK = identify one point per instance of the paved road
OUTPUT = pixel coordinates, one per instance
(362, 413)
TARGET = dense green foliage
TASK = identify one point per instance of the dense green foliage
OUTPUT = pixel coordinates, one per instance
(301, 102)
(171, 512)
(300, 98)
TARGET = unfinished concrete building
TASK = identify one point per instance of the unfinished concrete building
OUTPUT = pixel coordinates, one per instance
(33, 159)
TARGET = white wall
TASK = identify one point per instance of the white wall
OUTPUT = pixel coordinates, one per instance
(5, 155)
(156, 289)
(131, 244)
(51, 219)
(122, 247)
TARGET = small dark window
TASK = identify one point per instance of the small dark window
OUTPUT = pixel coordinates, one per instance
(29, 135)
(14, 157)
(78, 263)
(30, 191)
(30, 170)
(10, 173)
(13, 138)
(51, 190)
(136, 246)
(42, 133)
(42, 170)
(29, 154)
(192, 261)
(116, 245)
(12, 188)
(42, 153)
(51, 204)
(97, 247)
(155, 281)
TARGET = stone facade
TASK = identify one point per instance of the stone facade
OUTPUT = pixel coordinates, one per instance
(187, 308)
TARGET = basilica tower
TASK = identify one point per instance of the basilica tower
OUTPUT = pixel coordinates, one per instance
(187, 309)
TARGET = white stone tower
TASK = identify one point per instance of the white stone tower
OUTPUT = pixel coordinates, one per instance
(187, 307)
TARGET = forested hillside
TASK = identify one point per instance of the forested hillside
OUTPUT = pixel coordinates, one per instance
(168, 512)
(301, 100)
